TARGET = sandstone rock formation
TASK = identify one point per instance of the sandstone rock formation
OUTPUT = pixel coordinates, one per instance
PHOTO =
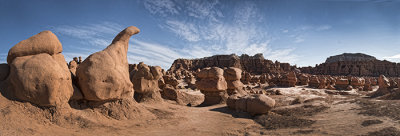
(39, 72)
(213, 85)
(232, 76)
(398, 83)
(253, 104)
(145, 82)
(342, 83)
(72, 65)
(383, 82)
(104, 75)
(367, 85)
(314, 82)
(288, 80)
(384, 85)
(357, 83)
(169, 79)
(4, 71)
(254, 64)
(356, 65)
(303, 79)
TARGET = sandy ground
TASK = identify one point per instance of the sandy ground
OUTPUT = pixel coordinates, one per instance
(299, 111)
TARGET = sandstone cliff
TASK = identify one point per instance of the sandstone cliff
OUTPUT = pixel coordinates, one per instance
(356, 65)
(256, 64)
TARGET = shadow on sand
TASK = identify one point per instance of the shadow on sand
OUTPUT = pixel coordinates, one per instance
(234, 113)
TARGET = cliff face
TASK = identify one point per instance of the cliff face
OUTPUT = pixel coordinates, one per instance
(356, 65)
(350, 57)
(254, 64)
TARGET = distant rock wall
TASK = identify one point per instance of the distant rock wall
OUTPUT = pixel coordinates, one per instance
(254, 64)
(355, 65)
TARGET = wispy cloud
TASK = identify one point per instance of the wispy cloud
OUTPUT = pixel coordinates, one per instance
(187, 31)
(208, 31)
(162, 7)
(299, 39)
(323, 27)
(95, 35)
(394, 58)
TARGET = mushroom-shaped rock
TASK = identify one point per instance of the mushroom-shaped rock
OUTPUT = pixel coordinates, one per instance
(213, 85)
(38, 71)
(44, 42)
(104, 75)
(232, 76)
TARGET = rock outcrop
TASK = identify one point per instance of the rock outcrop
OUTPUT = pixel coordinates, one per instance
(342, 83)
(384, 85)
(213, 85)
(355, 65)
(38, 71)
(254, 64)
(232, 76)
(104, 75)
(145, 82)
(303, 79)
(314, 82)
(288, 80)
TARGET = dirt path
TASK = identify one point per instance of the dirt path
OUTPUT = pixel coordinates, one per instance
(316, 116)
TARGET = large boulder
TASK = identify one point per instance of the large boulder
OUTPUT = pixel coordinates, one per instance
(253, 104)
(38, 71)
(104, 75)
(213, 85)
(44, 42)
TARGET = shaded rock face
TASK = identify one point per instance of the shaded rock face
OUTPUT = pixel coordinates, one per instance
(104, 75)
(350, 57)
(254, 64)
(398, 83)
(4, 71)
(213, 85)
(232, 76)
(38, 71)
(253, 104)
(355, 65)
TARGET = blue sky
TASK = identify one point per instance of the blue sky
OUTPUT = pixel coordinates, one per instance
(301, 32)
